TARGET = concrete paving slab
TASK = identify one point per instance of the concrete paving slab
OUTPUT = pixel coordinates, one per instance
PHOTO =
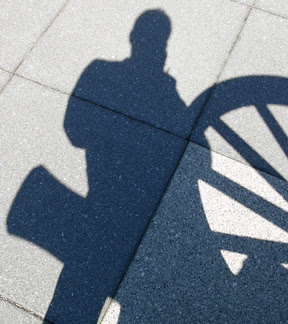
(79, 185)
(21, 23)
(246, 2)
(246, 116)
(216, 250)
(202, 35)
(279, 7)
(246, 119)
(12, 314)
(261, 49)
(31, 135)
(4, 77)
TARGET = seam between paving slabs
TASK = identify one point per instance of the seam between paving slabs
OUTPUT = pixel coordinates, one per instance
(255, 6)
(5, 84)
(269, 12)
(41, 35)
(221, 70)
(252, 7)
(146, 229)
(23, 308)
(33, 46)
(99, 106)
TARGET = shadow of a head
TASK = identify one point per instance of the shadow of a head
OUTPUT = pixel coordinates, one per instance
(149, 39)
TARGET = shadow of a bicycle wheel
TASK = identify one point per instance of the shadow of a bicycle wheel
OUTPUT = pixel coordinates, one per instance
(261, 92)
(258, 137)
(217, 249)
(246, 120)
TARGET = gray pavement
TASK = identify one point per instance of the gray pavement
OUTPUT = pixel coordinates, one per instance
(144, 161)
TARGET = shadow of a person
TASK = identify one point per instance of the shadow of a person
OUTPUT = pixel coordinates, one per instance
(129, 165)
(138, 86)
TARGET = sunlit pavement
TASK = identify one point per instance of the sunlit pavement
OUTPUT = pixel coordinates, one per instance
(140, 188)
